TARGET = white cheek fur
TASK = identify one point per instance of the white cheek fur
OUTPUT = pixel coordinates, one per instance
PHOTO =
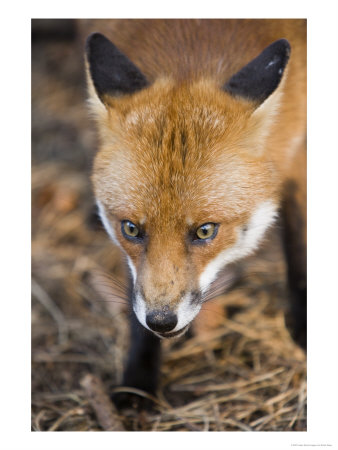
(112, 235)
(140, 309)
(263, 217)
(186, 312)
(132, 268)
(106, 223)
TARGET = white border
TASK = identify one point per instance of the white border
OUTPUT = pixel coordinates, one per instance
(15, 226)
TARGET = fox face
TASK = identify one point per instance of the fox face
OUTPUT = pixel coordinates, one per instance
(182, 179)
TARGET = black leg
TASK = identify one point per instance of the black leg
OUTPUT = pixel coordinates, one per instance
(142, 368)
(294, 238)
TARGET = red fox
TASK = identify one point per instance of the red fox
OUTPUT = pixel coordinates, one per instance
(202, 143)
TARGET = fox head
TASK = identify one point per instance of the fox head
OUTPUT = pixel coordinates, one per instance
(183, 179)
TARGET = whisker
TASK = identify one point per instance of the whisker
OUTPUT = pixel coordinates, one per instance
(110, 282)
(109, 277)
(112, 301)
(110, 286)
(112, 295)
(213, 311)
(219, 287)
(113, 283)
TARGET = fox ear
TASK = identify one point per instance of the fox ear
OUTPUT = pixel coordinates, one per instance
(260, 77)
(112, 73)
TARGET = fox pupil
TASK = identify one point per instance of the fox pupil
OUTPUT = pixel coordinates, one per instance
(132, 228)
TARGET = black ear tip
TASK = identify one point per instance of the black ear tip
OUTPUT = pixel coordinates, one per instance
(286, 44)
(94, 40)
(283, 43)
(282, 46)
(96, 36)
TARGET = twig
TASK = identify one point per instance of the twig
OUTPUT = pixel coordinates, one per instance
(78, 411)
(301, 404)
(104, 409)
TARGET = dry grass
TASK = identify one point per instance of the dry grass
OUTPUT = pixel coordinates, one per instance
(243, 374)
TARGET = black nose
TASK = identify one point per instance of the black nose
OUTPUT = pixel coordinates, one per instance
(161, 320)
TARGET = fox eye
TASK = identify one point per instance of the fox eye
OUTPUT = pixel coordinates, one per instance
(129, 229)
(206, 231)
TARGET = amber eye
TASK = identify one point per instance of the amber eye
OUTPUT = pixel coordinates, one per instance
(129, 229)
(206, 231)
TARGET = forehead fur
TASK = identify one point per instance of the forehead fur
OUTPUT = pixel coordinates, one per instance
(172, 150)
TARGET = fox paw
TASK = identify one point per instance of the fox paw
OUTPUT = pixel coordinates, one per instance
(135, 401)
